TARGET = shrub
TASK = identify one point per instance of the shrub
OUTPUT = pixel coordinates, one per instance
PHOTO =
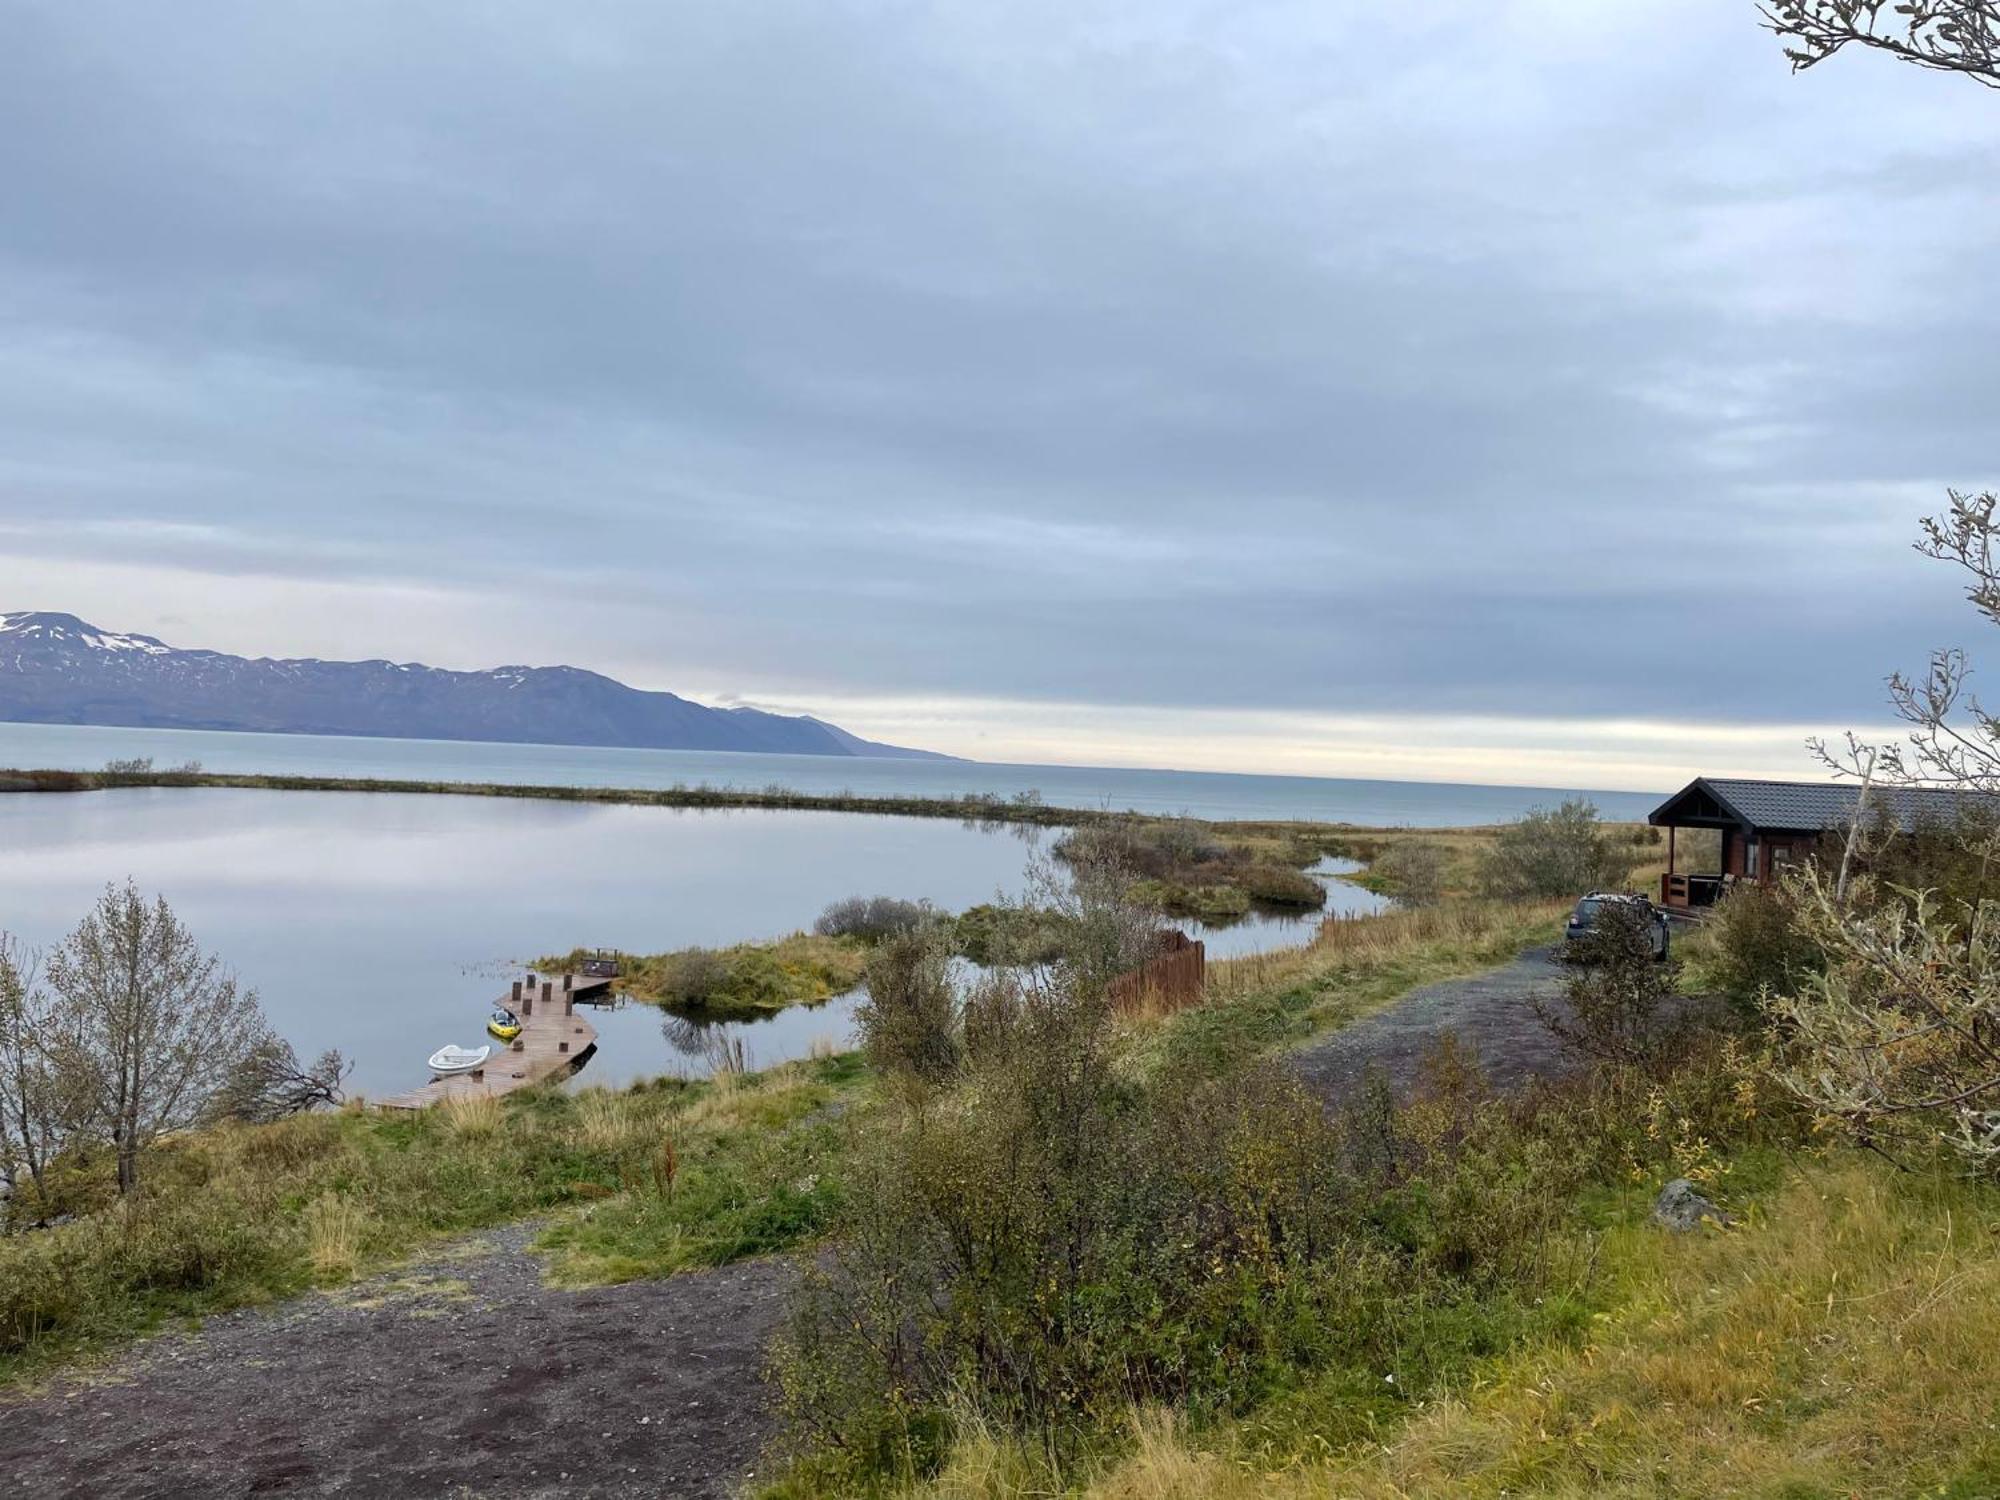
(909, 1022)
(1894, 1039)
(1622, 1004)
(873, 918)
(1564, 852)
(1413, 871)
(1958, 857)
(693, 976)
(1047, 1240)
(1758, 943)
(1274, 885)
(1004, 934)
(1176, 865)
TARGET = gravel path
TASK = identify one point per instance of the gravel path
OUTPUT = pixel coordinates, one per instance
(460, 1376)
(1493, 1012)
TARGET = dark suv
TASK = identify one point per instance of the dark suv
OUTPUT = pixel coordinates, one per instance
(1584, 918)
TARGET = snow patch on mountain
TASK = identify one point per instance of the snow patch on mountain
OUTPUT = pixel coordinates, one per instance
(58, 669)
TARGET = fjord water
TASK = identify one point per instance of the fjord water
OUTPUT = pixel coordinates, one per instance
(1200, 794)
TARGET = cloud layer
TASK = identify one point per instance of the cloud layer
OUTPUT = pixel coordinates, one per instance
(1561, 364)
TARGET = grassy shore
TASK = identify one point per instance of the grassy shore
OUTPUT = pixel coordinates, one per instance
(648, 1180)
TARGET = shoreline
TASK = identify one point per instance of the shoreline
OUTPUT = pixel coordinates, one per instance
(985, 807)
(972, 807)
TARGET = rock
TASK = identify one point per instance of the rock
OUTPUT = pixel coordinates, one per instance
(1681, 1209)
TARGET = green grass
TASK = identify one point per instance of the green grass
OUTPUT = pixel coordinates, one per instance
(244, 1214)
(767, 1179)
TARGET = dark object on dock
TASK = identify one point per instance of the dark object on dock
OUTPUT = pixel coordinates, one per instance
(603, 964)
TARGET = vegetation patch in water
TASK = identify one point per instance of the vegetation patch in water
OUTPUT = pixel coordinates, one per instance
(1198, 870)
(743, 979)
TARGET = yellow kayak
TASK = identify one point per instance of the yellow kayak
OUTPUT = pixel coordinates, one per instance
(504, 1024)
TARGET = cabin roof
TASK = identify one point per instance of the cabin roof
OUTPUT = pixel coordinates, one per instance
(1797, 806)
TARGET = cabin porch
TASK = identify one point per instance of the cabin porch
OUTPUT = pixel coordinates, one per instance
(1713, 843)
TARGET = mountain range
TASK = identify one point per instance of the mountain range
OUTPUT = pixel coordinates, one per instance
(58, 669)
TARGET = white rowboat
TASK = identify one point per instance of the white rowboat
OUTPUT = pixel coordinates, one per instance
(449, 1060)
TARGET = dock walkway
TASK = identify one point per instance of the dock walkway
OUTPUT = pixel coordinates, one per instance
(553, 1037)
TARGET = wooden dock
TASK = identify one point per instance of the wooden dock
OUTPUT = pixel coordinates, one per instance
(553, 1037)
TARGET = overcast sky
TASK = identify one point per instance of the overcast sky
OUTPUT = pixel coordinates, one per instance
(1537, 391)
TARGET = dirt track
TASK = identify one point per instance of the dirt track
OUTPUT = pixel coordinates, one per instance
(462, 1376)
(1494, 1012)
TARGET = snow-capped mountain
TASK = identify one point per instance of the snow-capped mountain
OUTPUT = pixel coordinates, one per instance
(57, 669)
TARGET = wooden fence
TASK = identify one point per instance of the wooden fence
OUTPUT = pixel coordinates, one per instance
(1173, 981)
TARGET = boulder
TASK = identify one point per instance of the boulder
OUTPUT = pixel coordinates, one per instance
(1681, 1208)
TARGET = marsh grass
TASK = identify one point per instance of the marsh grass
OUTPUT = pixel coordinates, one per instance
(473, 1116)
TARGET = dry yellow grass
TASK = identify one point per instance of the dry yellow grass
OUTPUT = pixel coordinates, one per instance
(1844, 1343)
(604, 1121)
(335, 1229)
(471, 1115)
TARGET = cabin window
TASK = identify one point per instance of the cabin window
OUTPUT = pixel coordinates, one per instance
(1750, 859)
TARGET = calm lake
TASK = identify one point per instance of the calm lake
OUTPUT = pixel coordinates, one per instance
(385, 925)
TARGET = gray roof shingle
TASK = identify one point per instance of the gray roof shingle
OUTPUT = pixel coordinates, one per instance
(1812, 805)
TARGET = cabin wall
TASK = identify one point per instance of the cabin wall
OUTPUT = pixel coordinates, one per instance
(1774, 852)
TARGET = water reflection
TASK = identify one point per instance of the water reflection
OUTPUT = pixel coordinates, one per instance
(386, 926)
(1261, 932)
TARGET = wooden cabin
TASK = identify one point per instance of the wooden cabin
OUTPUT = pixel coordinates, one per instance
(1766, 825)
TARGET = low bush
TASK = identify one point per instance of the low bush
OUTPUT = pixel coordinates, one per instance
(1186, 869)
(1200, 903)
(1893, 1041)
(873, 918)
(998, 934)
(1699, 1366)
(1274, 885)
(1756, 942)
(909, 1023)
(1412, 871)
(1563, 851)
(1621, 1001)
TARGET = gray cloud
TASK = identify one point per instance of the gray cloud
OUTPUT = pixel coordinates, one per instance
(1549, 359)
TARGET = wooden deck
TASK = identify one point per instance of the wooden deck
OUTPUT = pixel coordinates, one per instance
(553, 1036)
